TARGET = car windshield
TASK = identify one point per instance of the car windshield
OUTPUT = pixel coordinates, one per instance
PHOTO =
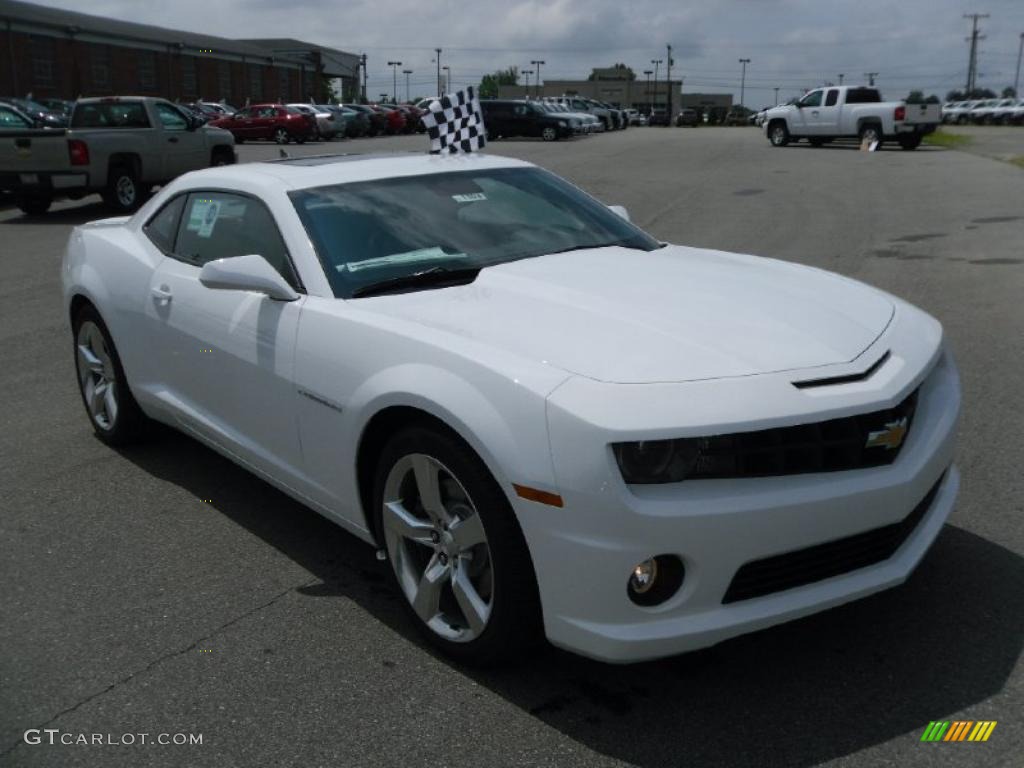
(373, 231)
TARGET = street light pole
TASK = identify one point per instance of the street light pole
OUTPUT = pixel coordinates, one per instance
(394, 79)
(448, 78)
(527, 72)
(841, 76)
(776, 96)
(1016, 82)
(656, 63)
(538, 64)
(407, 72)
(440, 86)
(648, 72)
(743, 81)
(668, 83)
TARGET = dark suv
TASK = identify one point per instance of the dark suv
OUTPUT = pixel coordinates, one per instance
(504, 119)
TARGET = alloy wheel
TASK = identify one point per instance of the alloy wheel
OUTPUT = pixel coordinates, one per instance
(96, 375)
(126, 191)
(281, 136)
(438, 547)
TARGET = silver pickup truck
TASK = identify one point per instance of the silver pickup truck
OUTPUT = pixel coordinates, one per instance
(840, 112)
(118, 146)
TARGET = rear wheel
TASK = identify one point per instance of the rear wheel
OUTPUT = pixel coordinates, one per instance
(35, 203)
(778, 134)
(871, 133)
(113, 412)
(456, 551)
(549, 134)
(123, 193)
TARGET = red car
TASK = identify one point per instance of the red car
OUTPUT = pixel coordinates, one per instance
(396, 120)
(269, 121)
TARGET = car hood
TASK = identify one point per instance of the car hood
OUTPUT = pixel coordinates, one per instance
(675, 314)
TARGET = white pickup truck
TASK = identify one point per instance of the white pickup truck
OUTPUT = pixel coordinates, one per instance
(839, 112)
(118, 146)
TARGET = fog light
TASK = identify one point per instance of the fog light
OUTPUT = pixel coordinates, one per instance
(655, 580)
(643, 576)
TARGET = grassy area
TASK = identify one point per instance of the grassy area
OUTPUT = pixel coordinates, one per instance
(1018, 161)
(949, 140)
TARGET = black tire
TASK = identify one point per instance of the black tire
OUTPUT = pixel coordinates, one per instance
(239, 140)
(778, 134)
(124, 193)
(280, 136)
(871, 132)
(514, 622)
(222, 156)
(34, 203)
(549, 133)
(300, 139)
(130, 423)
(910, 143)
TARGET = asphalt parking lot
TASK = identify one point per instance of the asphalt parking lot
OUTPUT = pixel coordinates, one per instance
(162, 589)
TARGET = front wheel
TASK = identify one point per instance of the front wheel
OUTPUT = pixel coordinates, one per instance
(549, 134)
(281, 136)
(456, 551)
(113, 412)
(871, 134)
(778, 134)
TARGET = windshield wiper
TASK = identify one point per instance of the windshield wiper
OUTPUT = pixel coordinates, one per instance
(437, 276)
(614, 243)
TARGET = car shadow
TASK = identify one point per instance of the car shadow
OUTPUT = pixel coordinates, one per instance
(78, 212)
(796, 695)
(887, 147)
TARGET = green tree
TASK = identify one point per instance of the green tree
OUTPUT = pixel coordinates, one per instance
(1009, 92)
(630, 74)
(489, 83)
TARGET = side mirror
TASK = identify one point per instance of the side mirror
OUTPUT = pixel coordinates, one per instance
(619, 210)
(246, 273)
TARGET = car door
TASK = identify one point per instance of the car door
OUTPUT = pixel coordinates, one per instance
(183, 149)
(824, 121)
(806, 114)
(227, 356)
(241, 124)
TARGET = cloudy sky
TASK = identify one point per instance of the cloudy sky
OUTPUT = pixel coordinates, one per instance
(792, 44)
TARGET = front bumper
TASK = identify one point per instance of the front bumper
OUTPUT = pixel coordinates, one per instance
(584, 553)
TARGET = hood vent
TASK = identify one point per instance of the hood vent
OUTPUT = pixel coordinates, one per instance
(847, 379)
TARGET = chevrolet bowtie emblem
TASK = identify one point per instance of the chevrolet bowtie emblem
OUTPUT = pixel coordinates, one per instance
(891, 437)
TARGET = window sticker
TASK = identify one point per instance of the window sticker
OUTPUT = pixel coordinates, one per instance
(470, 198)
(203, 217)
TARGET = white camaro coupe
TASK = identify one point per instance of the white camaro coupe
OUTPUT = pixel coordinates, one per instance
(545, 419)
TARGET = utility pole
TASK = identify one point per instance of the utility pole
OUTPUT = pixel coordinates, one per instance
(743, 81)
(448, 78)
(394, 79)
(841, 76)
(668, 82)
(1016, 81)
(972, 61)
(407, 72)
(656, 63)
(871, 77)
(538, 64)
(776, 96)
(363, 57)
(440, 85)
(527, 72)
(648, 72)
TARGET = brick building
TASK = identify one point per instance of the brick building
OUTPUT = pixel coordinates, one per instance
(55, 53)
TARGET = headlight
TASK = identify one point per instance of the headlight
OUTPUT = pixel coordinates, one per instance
(657, 461)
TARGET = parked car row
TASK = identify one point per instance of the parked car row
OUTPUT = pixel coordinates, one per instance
(984, 112)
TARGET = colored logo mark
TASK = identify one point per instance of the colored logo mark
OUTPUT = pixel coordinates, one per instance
(959, 730)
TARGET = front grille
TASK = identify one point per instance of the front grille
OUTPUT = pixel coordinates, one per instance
(825, 446)
(823, 561)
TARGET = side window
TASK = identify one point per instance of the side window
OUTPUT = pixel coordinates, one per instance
(519, 110)
(812, 99)
(162, 228)
(242, 114)
(170, 118)
(216, 225)
(9, 119)
(831, 97)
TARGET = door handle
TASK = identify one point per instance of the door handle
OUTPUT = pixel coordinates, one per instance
(814, 112)
(163, 294)
(173, 139)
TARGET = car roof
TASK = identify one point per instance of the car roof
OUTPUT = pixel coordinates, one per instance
(326, 170)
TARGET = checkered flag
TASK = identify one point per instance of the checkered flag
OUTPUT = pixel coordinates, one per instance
(455, 123)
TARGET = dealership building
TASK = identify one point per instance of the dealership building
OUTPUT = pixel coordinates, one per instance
(53, 53)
